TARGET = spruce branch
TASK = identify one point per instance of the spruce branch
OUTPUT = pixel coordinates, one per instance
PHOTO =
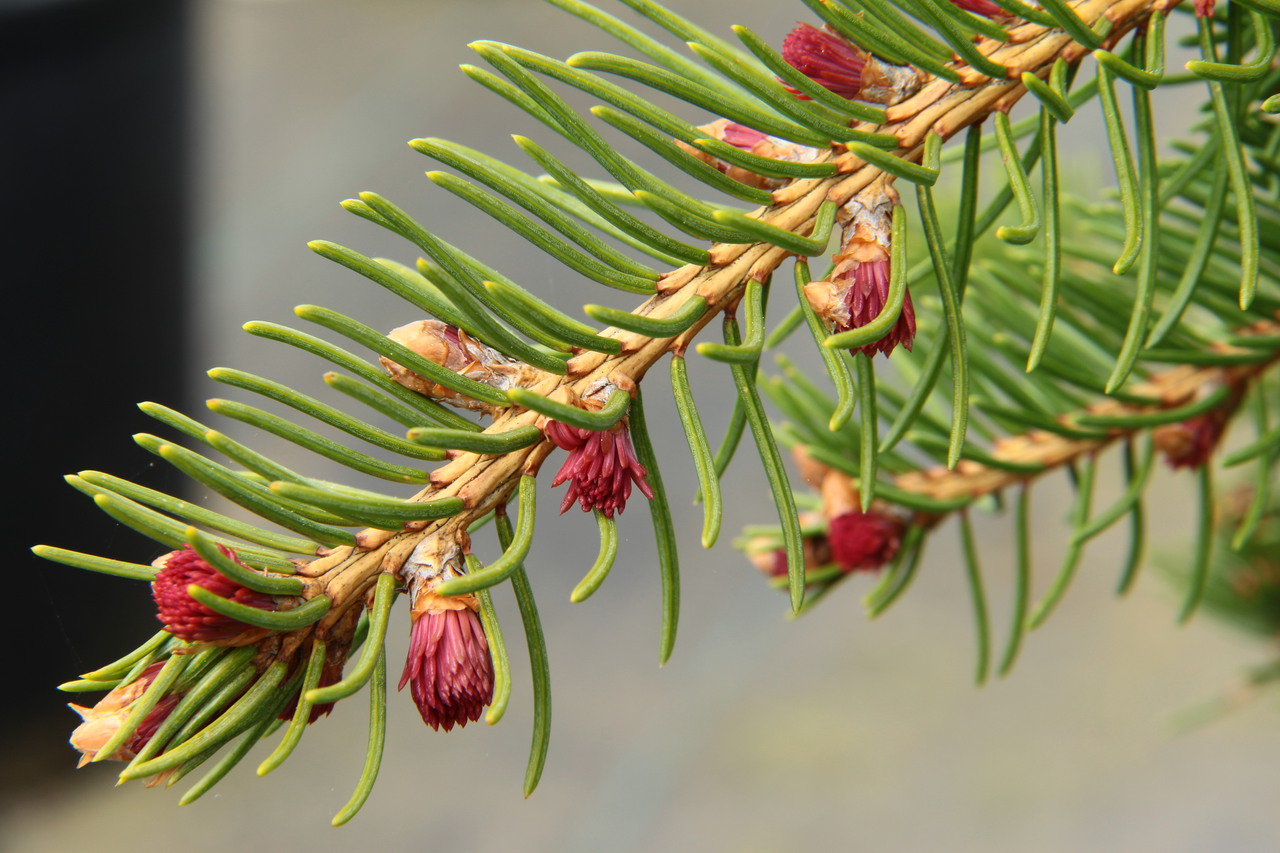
(265, 627)
(940, 107)
(1176, 395)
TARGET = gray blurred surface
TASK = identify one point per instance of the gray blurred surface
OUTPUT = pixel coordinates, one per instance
(761, 734)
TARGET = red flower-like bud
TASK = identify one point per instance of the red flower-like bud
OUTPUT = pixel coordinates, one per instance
(101, 722)
(753, 142)
(858, 288)
(866, 289)
(985, 8)
(600, 469)
(826, 59)
(1190, 444)
(737, 135)
(780, 567)
(1204, 8)
(186, 618)
(817, 553)
(864, 541)
(448, 670)
(772, 560)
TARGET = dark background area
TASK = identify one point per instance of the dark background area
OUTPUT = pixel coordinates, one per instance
(95, 162)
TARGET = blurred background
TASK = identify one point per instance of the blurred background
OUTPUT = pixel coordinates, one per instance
(167, 162)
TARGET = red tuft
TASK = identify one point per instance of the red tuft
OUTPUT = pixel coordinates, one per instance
(826, 59)
(1190, 444)
(600, 469)
(1204, 8)
(985, 8)
(450, 334)
(189, 620)
(864, 541)
(753, 142)
(780, 565)
(448, 670)
(740, 136)
(151, 723)
(868, 283)
(817, 553)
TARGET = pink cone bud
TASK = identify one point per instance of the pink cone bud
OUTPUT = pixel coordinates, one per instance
(600, 469)
(866, 289)
(186, 618)
(864, 541)
(448, 669)
(1190, 444)
(826, 59)
(858, 287)
(737, 135)
(753, 142)
(985, 8)
(101, 722)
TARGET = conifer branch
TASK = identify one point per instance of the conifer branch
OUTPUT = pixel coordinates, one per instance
(267, 628)
(1174, 393)
(940, 107)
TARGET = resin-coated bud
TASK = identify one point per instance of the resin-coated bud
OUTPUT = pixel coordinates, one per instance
(188, 619)
(752, 142)
(456, 351)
